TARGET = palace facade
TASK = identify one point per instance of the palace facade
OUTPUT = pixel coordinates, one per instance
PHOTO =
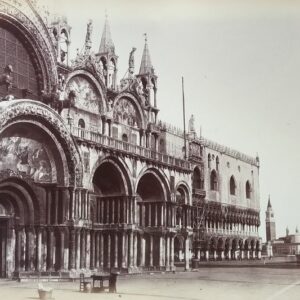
(90, 179)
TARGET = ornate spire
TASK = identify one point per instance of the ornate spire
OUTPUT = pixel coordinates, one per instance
(269, 203)
(106, 44)
(146, 65)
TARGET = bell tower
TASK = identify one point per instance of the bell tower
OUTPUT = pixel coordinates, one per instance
(270, 223)
(107, 58)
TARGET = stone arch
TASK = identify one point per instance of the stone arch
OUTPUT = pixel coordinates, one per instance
(19, 193)
(182, 185)
(119, 168)
(36, 43)
(100, 87)
(129, 97)
(47, 122)
(158, 179)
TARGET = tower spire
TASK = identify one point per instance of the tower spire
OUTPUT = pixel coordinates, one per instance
(106, 44)
(269, 202)
(146, 65)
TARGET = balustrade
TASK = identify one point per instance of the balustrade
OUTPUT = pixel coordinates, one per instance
(107, 141)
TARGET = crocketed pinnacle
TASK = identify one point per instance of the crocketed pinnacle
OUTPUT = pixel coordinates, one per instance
(106, 44)
(269, 203)
(146, 65)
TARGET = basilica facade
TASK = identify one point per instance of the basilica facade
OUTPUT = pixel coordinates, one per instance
(90, 179)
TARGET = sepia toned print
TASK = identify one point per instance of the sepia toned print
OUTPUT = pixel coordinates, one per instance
(95, 186)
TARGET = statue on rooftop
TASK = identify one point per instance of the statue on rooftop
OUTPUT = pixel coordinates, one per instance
(192, 124)
(131, 62)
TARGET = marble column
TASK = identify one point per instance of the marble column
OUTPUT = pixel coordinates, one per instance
(124, 250)
(172, 252)
(167, 252)
(161, 252)
(142, 250)
(72, 254)
(135, 250)
(186, 253)
(116, 250)
(108, 251)
(101, 248)
(18, 250)
(50, 248)
(62, 250)
(130, 248)
(78, 248)
(150, 251)
(88, 250)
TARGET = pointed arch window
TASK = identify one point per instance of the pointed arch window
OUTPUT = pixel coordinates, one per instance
(232, 186)
(213, 181)
(248, 190)
(209, 160)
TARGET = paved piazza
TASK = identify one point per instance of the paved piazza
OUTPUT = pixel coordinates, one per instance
(261, 282)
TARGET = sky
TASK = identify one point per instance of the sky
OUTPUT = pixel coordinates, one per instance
(241, 66)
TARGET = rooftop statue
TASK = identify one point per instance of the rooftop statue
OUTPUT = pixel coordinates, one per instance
(131, 62)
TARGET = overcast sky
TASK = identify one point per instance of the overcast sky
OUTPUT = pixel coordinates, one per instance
(241, 65)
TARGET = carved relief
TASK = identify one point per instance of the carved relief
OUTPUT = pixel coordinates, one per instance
(86, 96)
(125, 113)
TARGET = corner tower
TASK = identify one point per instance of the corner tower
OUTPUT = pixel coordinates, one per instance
(107, 57)
(270, 223)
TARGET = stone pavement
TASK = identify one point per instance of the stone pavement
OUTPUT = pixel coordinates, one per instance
(255, 283)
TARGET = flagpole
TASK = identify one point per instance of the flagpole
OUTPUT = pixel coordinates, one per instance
(183, 105)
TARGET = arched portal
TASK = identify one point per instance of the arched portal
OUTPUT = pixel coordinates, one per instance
(20, 209)
(113, 212)
(154, 213)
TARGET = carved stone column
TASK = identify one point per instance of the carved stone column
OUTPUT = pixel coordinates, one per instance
(78, 249)
(187, 253)
(82, 249)
(142, 250)
(116, 250)
(172, 253)
(130, 248)
(124, 250)
(72, 254)
(18, 250)
(161, 251)
(151, 251)
(50, 248)
(167, 252)
(88, 249)
(108, 250)
(93, 250)
(135, 249)
(101, 252)
(61, 250)
(39, 249)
